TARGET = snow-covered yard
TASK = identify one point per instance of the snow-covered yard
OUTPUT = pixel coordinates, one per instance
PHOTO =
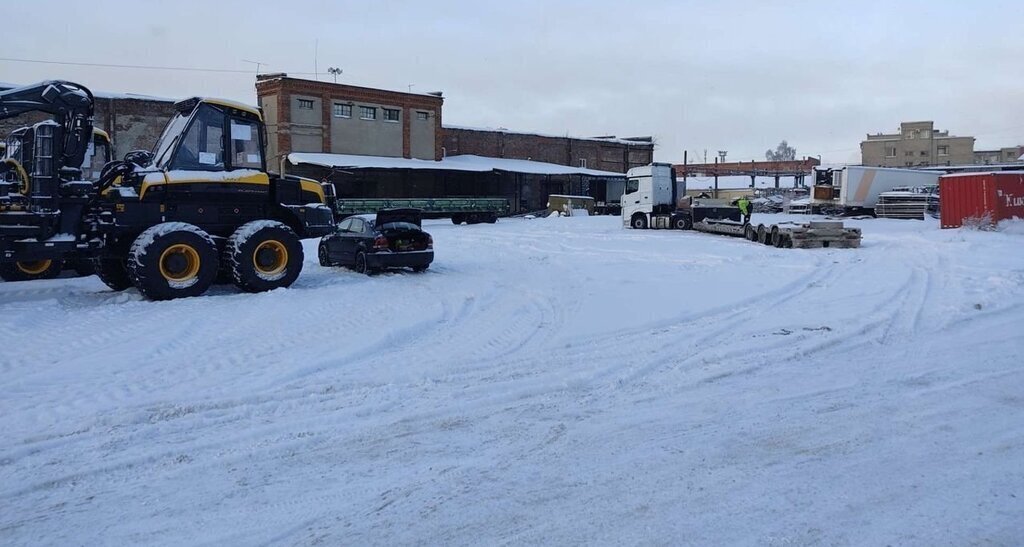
(558, 381)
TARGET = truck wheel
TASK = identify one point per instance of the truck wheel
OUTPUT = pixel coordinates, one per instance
(639, 222)
(683, 223)
(492, 218)
(172, 260)
(263, 255)
(30, 270)
(457, 219)
(113, 272)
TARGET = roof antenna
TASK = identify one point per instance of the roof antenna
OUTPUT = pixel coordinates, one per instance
(316, 51)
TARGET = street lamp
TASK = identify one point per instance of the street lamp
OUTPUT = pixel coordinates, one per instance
(334, 71)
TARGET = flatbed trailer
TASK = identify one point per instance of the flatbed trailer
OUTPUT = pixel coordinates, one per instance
(471, 210)
(788, 235)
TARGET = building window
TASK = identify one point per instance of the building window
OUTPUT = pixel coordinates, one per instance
(923, 153)
(306, 104)
(890, 151)
(390, 114)
(583, 163)
(909, 153)
(342, 110)
(421, 115)
(367, 113)
(942, 150)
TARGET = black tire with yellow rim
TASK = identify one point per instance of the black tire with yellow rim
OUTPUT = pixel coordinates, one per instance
(172, 260)
(30, 270)
(263, 255)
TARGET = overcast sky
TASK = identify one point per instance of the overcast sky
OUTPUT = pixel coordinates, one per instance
(736, 76)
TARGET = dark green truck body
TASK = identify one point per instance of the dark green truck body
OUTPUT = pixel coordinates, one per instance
(468, 209)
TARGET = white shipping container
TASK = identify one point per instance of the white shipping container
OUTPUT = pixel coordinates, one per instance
(860, 186)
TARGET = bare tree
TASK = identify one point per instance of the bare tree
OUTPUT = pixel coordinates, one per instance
(782, 152)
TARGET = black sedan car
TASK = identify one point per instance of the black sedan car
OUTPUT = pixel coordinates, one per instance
(393, 238)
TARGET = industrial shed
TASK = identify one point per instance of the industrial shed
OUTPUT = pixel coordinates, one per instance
(526, 184)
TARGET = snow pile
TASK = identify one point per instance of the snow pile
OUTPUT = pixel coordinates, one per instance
(560, 382)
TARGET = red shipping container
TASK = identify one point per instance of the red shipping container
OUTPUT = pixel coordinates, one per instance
(981, 197)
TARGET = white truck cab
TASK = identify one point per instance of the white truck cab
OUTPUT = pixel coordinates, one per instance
(651, 198)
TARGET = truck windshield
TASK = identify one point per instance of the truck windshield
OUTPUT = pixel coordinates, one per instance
(171, 134)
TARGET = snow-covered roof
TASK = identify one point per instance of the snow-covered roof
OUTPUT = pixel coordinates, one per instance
(103, 94)
(466, 162)
(548, 135)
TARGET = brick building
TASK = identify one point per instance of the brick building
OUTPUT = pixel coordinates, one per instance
(134, 122)
(311, 116)
(601, 153)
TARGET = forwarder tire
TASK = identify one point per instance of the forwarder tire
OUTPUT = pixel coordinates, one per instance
(112, 272)
(30, 270)
(263, 255)
(172, 260)
(83, 268)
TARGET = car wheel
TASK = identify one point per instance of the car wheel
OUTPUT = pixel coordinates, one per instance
(360, 266)
(321, 254)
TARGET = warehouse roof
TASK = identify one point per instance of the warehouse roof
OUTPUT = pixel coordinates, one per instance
(630, 141)
(466, 162)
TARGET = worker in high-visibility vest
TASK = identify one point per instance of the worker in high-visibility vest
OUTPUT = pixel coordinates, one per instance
(744, 204)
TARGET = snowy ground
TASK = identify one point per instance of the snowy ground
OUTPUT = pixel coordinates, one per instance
(557, 381)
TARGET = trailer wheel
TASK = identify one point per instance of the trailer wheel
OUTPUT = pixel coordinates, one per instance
(30, 270)
(775, 238)
(749, 233)
(172, 260)
(639, 221)
(113, 272)
(762, 233)
(263, 255)
(457, 219)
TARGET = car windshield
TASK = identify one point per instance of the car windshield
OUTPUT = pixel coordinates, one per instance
(399, 226)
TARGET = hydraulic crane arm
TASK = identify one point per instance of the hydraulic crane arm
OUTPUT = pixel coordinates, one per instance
(70, 104)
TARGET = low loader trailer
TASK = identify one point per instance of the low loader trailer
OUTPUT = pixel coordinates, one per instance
(651, 201)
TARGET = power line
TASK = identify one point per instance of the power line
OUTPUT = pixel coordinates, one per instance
(139, 67)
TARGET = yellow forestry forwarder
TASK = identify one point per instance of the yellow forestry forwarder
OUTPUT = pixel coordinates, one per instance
(19, 149)
(200, 206)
